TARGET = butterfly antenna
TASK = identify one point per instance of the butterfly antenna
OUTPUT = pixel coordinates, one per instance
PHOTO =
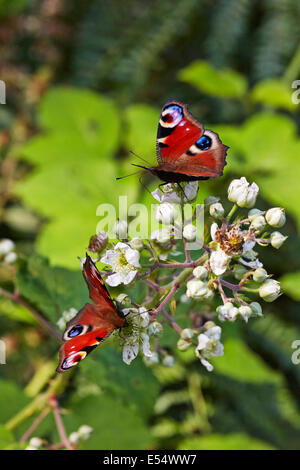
(144, 186)
(138, 156)
(126, 176)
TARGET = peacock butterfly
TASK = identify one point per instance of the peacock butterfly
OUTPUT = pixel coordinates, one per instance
(93, 323)
(185, 150)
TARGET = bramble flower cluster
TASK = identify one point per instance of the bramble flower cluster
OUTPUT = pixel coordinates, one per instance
(218, 276)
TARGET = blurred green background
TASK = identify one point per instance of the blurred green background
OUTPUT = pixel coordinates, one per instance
(85, 82)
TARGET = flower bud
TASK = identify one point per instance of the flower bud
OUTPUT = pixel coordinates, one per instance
(239, 271)
(190, 232)
(74, 438)
(187, 334)
(200, 272)
(168, 361)
(136, 243)
(85, 431)
(36, 442)
(10, 258)
(275, 217)
(150, 360)
(162, 236)
(260, 275)
(98, 242)
(269, 290)
(6, 245)
(216, 210)
(155, 328)
(209, 294)
(254, 213)
(256, 309)
(124, 300)
(165, 213)
(196, 289)
(277, 239)
(241, 193)
(120, 229)
(227, 312)
(258, 223)
(245, 311)
(183, 345)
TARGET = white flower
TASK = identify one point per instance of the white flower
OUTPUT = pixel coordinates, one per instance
(190, 232)
(168, 194)
(277, 239)
(165, 213)
(138, 320)
(10, 258)
(241, 193)
(120, 229)
(216, 210)
(6, 246)
(260, 275)
(191, 191)
(276, 217)
(227, 312)
(196, 289)
(214, 227)
(200, 272)
(66, 316)
(269, 290)
(154, 359)
(209, 345)
(218, 261)
(258, 223)
(124, 262)
(162, 236)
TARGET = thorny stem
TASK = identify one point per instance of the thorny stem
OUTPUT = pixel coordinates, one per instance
(35, 424)
(171, 321)
(59, 423)
(15, 297)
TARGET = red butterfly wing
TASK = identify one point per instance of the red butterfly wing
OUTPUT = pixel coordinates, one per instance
(93, 323)
(185, 150)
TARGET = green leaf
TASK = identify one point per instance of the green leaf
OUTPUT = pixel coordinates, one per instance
(225, 83)
(51, 289)
(6, 437)
(273, 92)
(12, 398)
(241, 363)
(115, 426)
(290, 284)
(224, 442)
(135, 384)
(74, 170)
(15, 311)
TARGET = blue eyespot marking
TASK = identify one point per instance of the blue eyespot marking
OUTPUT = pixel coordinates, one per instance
(75, 331)
(174, 114)
(204, 143)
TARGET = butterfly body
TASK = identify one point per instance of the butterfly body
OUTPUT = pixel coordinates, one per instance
(185, 150)
(93, 323)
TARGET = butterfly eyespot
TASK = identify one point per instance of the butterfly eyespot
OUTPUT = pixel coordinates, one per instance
(76, 330)
(204, 143)
(172, 115)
